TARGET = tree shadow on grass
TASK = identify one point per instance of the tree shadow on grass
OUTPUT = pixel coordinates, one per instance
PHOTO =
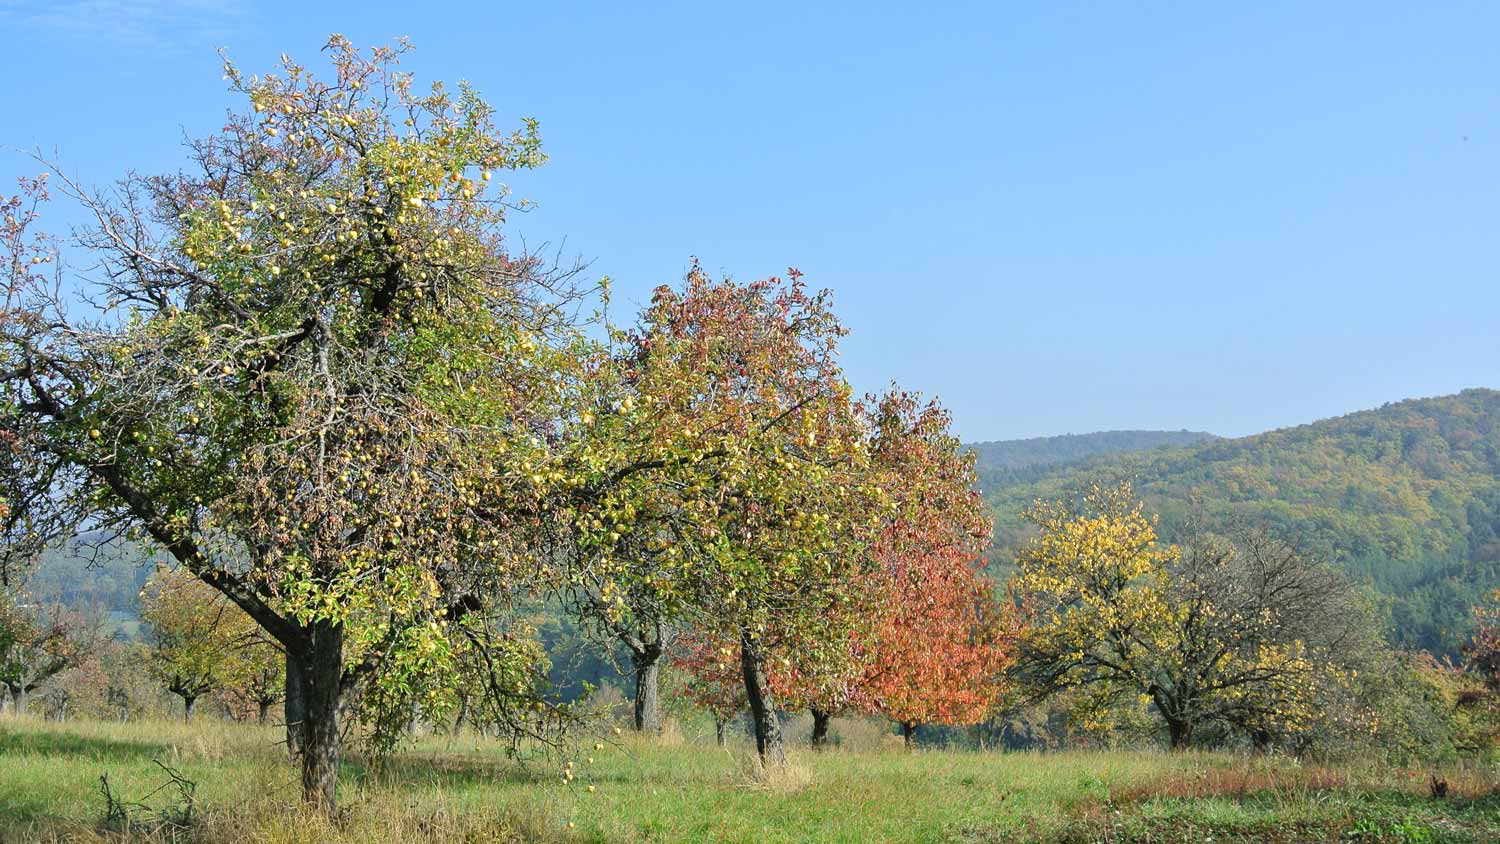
(460, 770)
(81, 759)
(1486, 805)
(447, 771)
(59, 744)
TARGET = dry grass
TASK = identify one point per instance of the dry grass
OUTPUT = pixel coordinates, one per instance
(1245, 778)
(686, 789)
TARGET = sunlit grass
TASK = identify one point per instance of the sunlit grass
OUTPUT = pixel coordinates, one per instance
(466, 789)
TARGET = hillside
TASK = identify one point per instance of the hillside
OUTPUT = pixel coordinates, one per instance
(1009, 461)
(1406, 497)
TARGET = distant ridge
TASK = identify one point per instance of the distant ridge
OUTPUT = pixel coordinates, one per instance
(1009, 461)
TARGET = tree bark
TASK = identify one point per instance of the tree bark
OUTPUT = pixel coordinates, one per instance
(264, 709)
(463, 714)
(768, 740)
(1180, 733)
(322, 690)
(721, 726)
(1175, 713)
(647, 664)
(1260, 739)
(909, 734)
(820, 728)
(294, 706)
(18, 699)
(187, 706)
(413, 718)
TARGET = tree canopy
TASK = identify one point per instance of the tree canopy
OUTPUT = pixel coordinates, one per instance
(315, 374)
(1237, 632)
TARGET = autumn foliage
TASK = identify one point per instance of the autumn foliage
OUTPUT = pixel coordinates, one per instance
(929, 643)
(939, 649)
(200, 643)
(1238, 633)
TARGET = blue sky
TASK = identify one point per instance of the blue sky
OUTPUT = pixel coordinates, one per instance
(1057, 217)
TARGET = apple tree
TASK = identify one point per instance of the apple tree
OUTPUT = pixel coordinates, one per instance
(759, 503)
(310, 369)
(1231, 631)
(198, 640)
(38, 642)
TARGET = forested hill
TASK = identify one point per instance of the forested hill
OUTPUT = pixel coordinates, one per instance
(1008, 461)
(1406, 496)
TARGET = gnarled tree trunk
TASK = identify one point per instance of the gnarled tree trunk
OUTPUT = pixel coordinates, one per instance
(909, 734)
(17, 698)
(294, 706)
(820, 728)
(1180, 733)
(768, 740)
(647, 664)
(1175, 709)
(322, 691)
(721, 726)
(647, 644)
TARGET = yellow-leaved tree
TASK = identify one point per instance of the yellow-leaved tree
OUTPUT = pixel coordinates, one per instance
(1230, 633)
(199, 641)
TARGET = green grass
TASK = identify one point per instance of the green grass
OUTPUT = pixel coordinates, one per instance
(443, 789)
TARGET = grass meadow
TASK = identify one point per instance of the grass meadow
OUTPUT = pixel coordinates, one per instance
(685, 789)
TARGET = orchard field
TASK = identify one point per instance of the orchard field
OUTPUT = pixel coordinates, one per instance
(683, 788)
(511, 561)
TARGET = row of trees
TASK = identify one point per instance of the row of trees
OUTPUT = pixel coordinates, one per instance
(311, 372)
(1233, 635)
(194, 644)
(1208, 660)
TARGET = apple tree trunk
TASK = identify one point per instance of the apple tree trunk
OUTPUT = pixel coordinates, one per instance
(768, 739)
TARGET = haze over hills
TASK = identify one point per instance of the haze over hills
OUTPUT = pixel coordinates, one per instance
(1006, 461)
(1406, 497)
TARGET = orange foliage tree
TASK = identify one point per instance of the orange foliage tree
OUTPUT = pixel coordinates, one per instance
(1483, 650)
(715, 683)
(934, 650)
(930, 646)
